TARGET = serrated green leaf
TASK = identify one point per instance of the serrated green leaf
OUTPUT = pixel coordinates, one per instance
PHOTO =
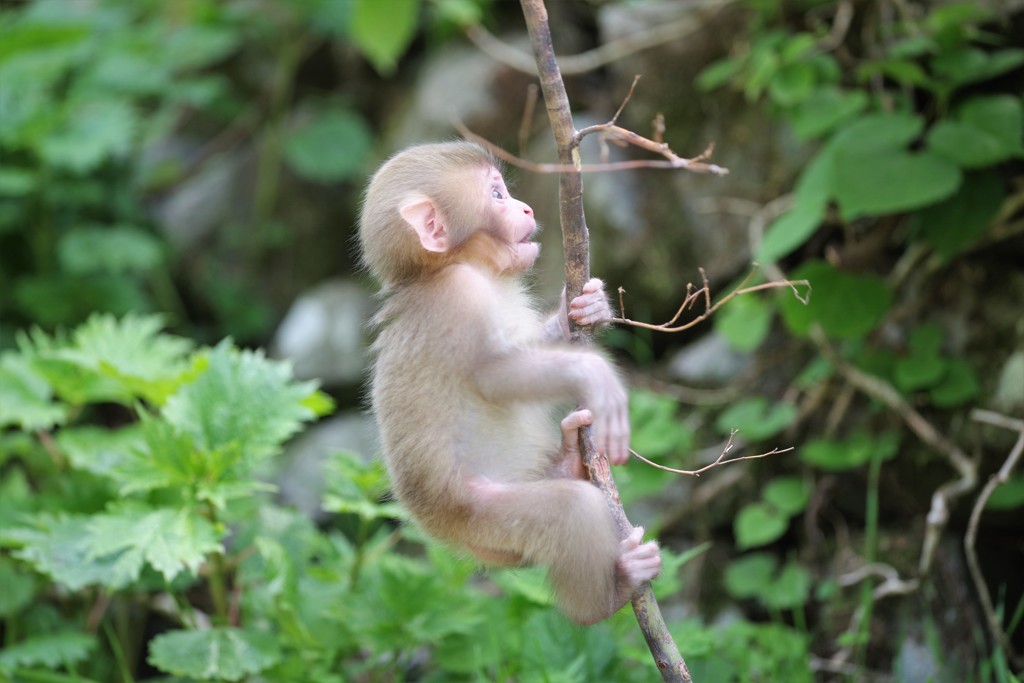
(744, 322)
(221, 654)
(958, 386)
(171, 541)
(133, 352)
(92, 133)
(954, 224)
(97, 450)
(756, 418)
(788, 494)
(52, 651)
(847, 306)
(357, 487)
(383, 30)
(750, 575)
(759, 524)
(332, 147)
(114, 249)
(242, 401)
(59, 548)
(26, 398)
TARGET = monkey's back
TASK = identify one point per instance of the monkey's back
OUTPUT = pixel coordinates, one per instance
(436, 427)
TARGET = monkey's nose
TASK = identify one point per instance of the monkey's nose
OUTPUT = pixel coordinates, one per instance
(527, 210)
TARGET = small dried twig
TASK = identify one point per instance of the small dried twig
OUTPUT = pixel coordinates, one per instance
(1000, 477)
(720, 460)
(704, 293)
(696, 164)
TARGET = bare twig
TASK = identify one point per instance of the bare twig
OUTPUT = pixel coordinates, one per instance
(704, 293)
(695, 165)
(720, 460)
(1001, 477)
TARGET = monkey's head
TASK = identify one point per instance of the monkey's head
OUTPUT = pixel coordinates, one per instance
(433, 205)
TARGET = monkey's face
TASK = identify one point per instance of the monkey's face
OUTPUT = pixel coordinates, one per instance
(512, 222)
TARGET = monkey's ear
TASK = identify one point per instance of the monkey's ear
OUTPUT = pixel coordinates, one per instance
(425, 219)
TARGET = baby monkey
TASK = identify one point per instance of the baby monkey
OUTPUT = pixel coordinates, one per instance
(467, 377)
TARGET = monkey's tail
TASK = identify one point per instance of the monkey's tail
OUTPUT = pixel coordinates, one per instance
(563, 524)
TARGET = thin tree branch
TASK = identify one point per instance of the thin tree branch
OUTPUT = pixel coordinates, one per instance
(720, 460)
(575, 243)
(611, 51)
(1001, 477)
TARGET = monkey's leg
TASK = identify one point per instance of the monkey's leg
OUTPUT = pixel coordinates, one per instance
(562, 524)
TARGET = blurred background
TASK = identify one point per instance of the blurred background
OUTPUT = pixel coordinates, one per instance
(204, 160)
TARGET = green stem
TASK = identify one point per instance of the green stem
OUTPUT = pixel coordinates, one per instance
(115, 647)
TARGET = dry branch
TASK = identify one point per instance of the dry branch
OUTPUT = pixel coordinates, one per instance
(1001, 477)
(575, 243)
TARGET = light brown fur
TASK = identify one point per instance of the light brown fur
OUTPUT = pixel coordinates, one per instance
(467, 377)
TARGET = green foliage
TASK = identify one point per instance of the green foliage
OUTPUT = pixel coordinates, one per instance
(382, 30)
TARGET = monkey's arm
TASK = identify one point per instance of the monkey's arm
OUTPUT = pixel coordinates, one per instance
(558, 374)
(589, 308)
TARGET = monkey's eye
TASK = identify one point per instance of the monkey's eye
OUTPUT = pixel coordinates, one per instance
(496, 194)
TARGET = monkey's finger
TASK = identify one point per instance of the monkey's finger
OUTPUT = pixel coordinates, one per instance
(594, 284)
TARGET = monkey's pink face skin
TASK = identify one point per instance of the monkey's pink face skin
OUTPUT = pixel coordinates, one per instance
(513, 220)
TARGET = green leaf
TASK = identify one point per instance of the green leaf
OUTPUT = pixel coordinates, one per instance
(92, 133)
(877, 184)
(227, 654)
(824, 110)
(59, 547)
(242, 401)
(748, 576)
(847, 306)
(18, 588)
(657, 428)
(132, 351)
(1008, 495)
(26, 398)
(793, 84)
(744, 322)
(383, 30)
(171, 541)
(845, 454)
(53, 651)
(972, 65)
(755, 418)
(719, 73)
(759, 524)
(333, 147)
(790, 589)
(97, 450)
(873, 134)
(116, 249)
(919, 371)
(951, 226)
(959, 385)
(788, 494)
(791, 230)
(357, 487)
